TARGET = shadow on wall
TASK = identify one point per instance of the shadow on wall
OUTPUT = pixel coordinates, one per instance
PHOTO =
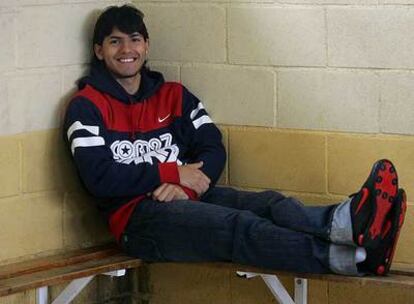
(83, 225)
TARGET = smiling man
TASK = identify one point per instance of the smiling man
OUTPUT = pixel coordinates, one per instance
(149, 150)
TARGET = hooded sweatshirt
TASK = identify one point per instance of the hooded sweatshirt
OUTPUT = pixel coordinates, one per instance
(125, 146)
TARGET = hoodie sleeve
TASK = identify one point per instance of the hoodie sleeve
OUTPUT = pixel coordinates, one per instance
(87, 137)
(206, 141)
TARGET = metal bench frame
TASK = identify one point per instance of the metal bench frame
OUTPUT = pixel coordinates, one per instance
(72, 290)
(278, 290)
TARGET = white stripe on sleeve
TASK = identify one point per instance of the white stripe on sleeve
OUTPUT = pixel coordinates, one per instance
(77, 125)
(195, 111)
(93, 141)
(201, 121)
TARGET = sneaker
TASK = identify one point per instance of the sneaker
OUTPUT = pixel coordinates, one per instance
(370, 206)
(379, 259)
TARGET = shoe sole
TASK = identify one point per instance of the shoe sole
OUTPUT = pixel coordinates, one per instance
(399, 219)
(379, 190)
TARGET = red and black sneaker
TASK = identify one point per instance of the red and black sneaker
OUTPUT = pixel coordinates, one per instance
(379, 258)
(370, 206)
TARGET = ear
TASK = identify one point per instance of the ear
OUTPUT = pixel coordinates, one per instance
(98, 51)
(147, 44)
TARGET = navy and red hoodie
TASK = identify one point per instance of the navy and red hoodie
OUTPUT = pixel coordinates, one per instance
(125, 146)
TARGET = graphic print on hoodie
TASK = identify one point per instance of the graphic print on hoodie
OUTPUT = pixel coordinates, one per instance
(125, 146)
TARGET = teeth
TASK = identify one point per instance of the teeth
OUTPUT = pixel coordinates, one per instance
(127, 60)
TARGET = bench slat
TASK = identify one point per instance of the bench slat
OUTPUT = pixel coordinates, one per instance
(60, 260)
(67, 273)
(402, 278)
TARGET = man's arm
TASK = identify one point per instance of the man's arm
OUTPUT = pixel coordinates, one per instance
(102, 175)
(205, 142)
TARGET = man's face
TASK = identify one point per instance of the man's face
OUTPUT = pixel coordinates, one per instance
(123, 54)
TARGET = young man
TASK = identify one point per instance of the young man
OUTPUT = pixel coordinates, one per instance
(148, 149)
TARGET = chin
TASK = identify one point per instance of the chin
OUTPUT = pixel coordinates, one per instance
(127, 75)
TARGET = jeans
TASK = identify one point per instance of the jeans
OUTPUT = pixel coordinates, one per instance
(262, 229)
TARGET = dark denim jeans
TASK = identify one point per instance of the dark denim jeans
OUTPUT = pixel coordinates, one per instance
(264, 229)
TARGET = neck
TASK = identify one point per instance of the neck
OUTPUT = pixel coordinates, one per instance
(131, 84)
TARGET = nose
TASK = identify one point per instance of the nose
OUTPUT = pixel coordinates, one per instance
(125, 46)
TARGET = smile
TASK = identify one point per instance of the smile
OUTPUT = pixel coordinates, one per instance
(126, 60)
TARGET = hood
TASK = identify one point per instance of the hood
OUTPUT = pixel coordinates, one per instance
(102, 80)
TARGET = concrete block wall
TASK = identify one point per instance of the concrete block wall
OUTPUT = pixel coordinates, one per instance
(309, 93)
(315, 90)
(43, 207)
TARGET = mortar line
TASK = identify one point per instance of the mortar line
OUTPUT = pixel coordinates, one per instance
(326, 37)
(226, 23)
(276, 99)
(326, 165)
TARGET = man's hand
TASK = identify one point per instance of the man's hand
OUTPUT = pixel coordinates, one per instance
(169, 192)
(192, 177)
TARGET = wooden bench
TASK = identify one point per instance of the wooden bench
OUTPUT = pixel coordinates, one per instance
(79, 267)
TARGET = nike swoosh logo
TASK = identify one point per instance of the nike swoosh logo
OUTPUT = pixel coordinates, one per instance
(162, 119)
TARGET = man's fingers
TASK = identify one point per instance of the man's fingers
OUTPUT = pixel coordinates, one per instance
(159, 190)
(168, 193)
(196, 165)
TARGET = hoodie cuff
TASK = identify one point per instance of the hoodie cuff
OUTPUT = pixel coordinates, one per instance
(169, 173)
(192, 195)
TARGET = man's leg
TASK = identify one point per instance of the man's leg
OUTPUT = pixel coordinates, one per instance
(283, 211)
(363, 220)
(197, 231)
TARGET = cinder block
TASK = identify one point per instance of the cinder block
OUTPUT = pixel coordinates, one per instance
(405, 249)
(27, 297)
(234, 95)
(4, 107)
(30, 224)
(83, 225)
(186, 33)
(396, 1)
(171, 283)
(277, 36)
(333, 2)
(17, 3)
(10, 164)
(71, 75)
(316, 199)
(171, 72)
(7, 32)
(47, 163)
(33, 99)
(350, 159)
(318, 292)
(254, 290)
(283, 160)
(345, 293)
(58, 35)
(328, 100)
(397, 108)
(371, 37)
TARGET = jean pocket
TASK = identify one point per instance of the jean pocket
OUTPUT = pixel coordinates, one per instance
(142, 248)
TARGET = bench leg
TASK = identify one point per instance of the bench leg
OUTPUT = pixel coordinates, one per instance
(41, 295)
(301, 291)
(278, 290)
(72, 290)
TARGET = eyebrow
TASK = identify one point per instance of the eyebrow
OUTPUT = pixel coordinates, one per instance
(130, 35)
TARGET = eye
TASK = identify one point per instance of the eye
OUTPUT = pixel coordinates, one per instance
(136, 39)
(114, 41)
